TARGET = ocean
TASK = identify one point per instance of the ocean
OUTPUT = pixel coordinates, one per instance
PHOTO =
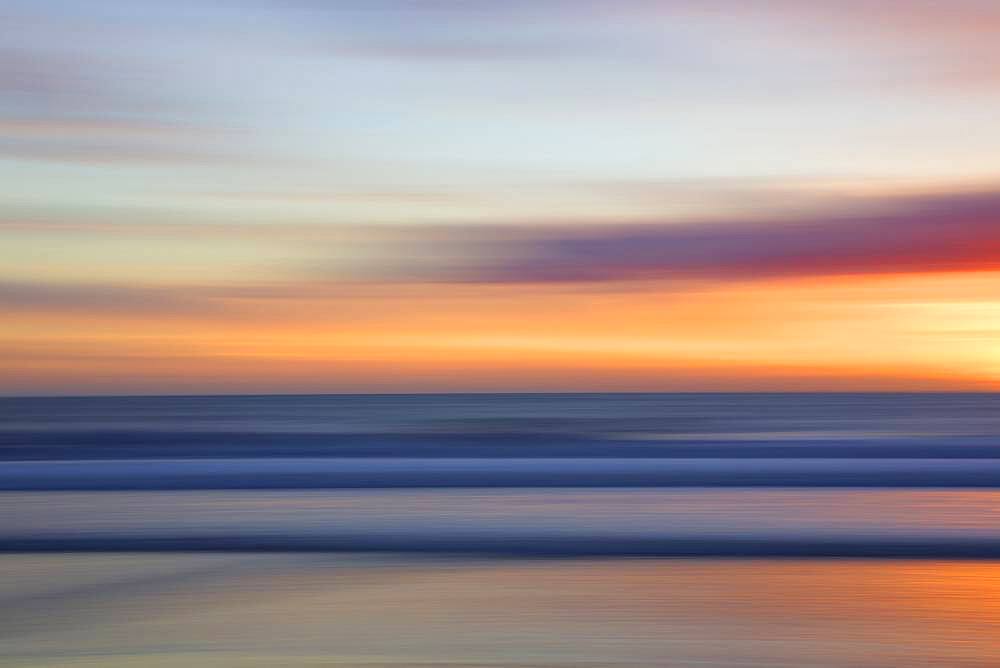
(828, 530)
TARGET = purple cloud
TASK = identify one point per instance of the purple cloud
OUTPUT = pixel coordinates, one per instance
(945, 233)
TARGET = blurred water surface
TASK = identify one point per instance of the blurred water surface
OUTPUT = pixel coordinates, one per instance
(501, 530)
(491, 425)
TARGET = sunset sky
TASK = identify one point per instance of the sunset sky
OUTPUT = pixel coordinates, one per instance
(472, 195)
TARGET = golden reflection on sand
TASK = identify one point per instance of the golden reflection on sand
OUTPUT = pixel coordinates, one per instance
(223, 611)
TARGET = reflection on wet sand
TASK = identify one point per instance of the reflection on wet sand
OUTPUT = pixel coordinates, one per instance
(317, 610)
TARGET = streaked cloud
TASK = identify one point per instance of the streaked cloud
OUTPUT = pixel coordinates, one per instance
(103, 154)
(949, 233)
(102, 299)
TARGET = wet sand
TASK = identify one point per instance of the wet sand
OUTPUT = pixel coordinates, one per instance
(360, 610)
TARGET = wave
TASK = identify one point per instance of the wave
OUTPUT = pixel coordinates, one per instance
(359, 473)
(62, 444)
(915, 547)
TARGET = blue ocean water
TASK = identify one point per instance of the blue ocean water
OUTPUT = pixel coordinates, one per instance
(542, 474)
(503, 425)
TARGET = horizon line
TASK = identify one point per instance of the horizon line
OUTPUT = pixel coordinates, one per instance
(490, 393)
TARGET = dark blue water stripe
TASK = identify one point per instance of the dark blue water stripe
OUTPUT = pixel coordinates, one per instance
(529, 545)
(355, 473)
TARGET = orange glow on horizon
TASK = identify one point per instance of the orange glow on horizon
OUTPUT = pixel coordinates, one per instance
(849, 333)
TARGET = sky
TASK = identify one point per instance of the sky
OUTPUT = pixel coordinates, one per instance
(257, 196)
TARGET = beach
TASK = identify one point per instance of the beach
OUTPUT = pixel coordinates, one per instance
(368, 611)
